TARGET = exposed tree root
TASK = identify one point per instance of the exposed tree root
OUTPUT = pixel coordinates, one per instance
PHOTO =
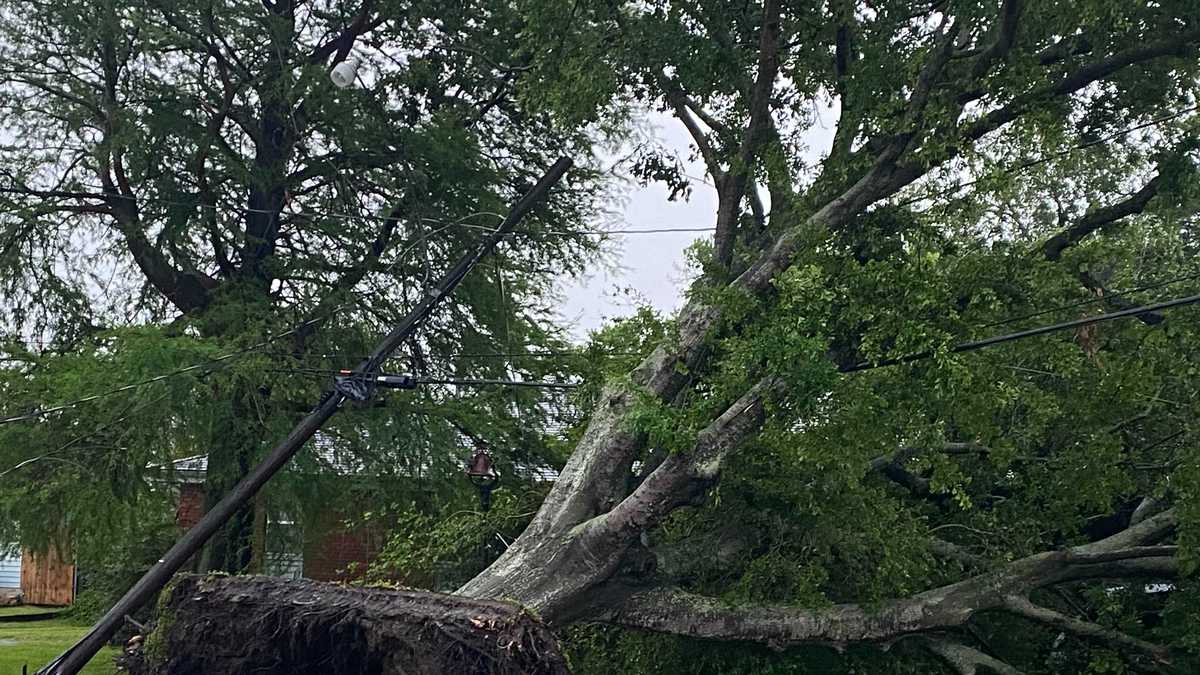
(267, 625)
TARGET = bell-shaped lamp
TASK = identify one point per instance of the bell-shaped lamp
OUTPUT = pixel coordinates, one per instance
(482, 473)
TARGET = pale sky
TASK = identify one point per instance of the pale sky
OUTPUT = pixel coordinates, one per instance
(650, 264)
(653, 264)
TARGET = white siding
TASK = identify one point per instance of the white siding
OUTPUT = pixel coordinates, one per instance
(285, 550)
(10, 570)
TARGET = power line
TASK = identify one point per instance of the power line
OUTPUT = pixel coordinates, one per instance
(128, 387)
(1092, 301)
(585, 352)
(220, 359)
(1016, 168)
(1033, 332)
(538, 354)
(462, 223)
(471, 382)
(962, 347)
(862, 366)
(500, 355)
(1028, 164)
(421, 379)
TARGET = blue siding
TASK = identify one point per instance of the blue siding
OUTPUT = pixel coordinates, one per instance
(10, 570)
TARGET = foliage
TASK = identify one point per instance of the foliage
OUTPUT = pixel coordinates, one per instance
(443, 549)
(1023, 164)
(1023, 447)
(182, 183)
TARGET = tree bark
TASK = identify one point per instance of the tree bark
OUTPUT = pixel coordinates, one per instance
(1123, 555)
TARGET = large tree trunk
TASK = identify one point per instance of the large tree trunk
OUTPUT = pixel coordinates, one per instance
(214, 625)
(584, 556)
(234, 451)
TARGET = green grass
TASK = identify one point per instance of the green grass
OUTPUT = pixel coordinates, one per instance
(24, 610)
(36, 642)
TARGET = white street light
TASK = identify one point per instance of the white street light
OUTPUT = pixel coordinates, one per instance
(343, 73)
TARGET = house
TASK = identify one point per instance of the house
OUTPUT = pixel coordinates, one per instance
(10, 577)
(323, 547)
(325, 550)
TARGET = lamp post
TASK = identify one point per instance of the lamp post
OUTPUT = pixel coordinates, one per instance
(482, 473)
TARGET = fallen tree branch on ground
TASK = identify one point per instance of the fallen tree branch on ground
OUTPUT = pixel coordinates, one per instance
(1126, 554)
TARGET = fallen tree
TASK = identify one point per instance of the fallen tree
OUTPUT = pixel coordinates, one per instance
(992, 163)
(220, 624)
(275, 626)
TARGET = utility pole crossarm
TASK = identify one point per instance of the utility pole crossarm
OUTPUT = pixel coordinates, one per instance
(76, 657)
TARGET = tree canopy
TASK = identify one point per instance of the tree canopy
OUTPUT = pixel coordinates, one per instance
(743, 471)
(182, 183)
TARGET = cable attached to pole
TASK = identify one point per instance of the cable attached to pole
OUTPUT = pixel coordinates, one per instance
(1032, 332)
(360, 387)
(76, 657)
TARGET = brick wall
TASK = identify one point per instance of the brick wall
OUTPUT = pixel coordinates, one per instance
(191, 505)
(329, 550)
(328, 556)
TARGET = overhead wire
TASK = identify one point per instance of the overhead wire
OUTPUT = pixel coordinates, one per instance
(1028, 164)
(206, 364)
(509, 355)
(587, 352)
(454, 381)
(965, 346)
(928, 354)
(1016, 168)
(461, 223)
(1020, 335)
(1092, 301)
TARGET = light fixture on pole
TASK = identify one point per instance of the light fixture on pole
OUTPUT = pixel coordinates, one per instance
(344, 72)
(482, 473)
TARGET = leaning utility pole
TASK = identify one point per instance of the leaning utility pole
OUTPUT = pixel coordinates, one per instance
(72, 661)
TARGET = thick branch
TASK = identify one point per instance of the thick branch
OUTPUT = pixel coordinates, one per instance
(967, 660)
(1146, 508)
(907, 453)
(1097, 219)
(1085, 629)
(1175, 45)
(892, 467)
(733, 187)
(679, 104)
(674, 611)
(344, 42)
(1005, 35)
(683, 475)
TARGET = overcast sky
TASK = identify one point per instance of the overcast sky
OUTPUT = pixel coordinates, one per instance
(653, 264)
(650, 264)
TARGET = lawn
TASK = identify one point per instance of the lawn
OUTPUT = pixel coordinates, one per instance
(36, 642)
(26, 610)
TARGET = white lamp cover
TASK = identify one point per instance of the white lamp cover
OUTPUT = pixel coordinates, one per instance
(343, 73)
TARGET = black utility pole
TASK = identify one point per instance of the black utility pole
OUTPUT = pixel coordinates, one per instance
(76, 657)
